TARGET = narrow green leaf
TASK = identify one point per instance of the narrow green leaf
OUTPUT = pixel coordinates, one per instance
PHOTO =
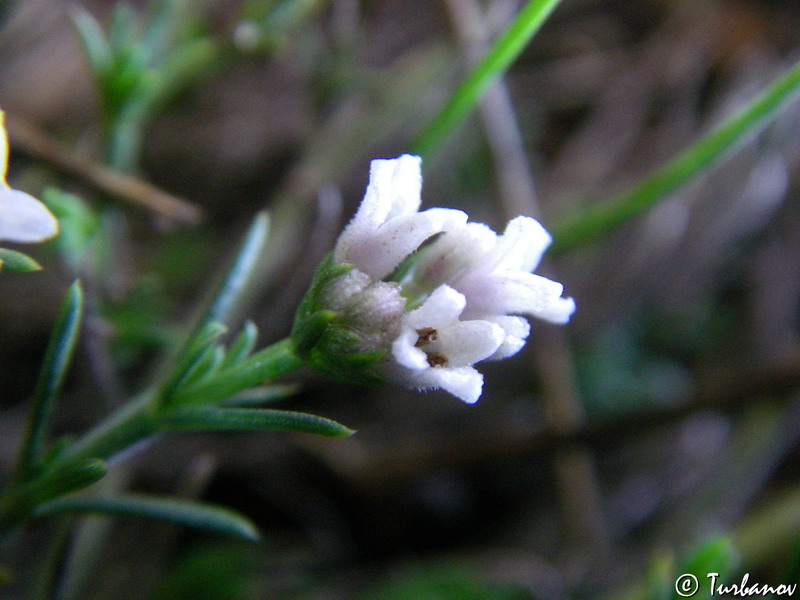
(597, 220)
(238, 275)
(206, 363)
(71, 476)
(181, 512)
(253, 419)
(56, 362)
(494, 63)
(98, 51)
(12, 261)
(241, 347)
(262, 395)
(219, 308)
(254, 371)
(192, 353)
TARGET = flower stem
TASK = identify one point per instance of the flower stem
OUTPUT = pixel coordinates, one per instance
(82, 462)
(131, 424)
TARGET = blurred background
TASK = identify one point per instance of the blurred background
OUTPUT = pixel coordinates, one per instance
(665, 414)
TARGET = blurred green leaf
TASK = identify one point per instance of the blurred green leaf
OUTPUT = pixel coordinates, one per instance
(70, 476)
(237, 277)
(493, 64)
(261, 395)
(442, 582)
(661, 579)
(716, 555)
(77, 224)
(95, 45)
(198, 346)
(241, 347)
(254, 371)
(182, 512)
(56, 363)
(597, 220)
(209, 573)
(12, 261)
(253, 419)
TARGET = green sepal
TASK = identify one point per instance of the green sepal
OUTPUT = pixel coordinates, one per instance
(334, 357)
(304, 333)
(182, 512)
(324, 340)
(12, 261)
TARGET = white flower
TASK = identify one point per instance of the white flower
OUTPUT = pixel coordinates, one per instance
(460, 298)
(494, 274)
(22, 217)
(387, 227)
(437, 350)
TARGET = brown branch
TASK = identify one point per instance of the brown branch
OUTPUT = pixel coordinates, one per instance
(29, 139)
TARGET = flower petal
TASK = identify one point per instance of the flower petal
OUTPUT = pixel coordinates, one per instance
(465, 383)
(440, 309)
(452, 254)
(521, 246)
(406, 353)
(516, 330)
(558, 311)
(378, 252)
(23, 218)
(512, 293)
(468, 342)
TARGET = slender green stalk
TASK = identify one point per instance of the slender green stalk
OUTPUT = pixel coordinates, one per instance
(56, 362)
(134, 423)
(597, 220)
(496, 61)
(142, 418)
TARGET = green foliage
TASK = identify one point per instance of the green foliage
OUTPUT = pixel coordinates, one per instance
(599, 219)
(209, 573)
(77, 222)
(715, 555)
(139, 65)
(443, 582)
(12, 261)
(173, 510)
(57, 359)
(494, 63)
(266, 25)
(20, 502)
(253, 419)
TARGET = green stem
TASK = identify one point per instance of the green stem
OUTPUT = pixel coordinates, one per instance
(142, 418)
(496, 61)
(597, 220)
(132, 423)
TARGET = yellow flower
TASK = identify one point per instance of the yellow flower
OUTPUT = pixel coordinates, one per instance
(23, 218)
